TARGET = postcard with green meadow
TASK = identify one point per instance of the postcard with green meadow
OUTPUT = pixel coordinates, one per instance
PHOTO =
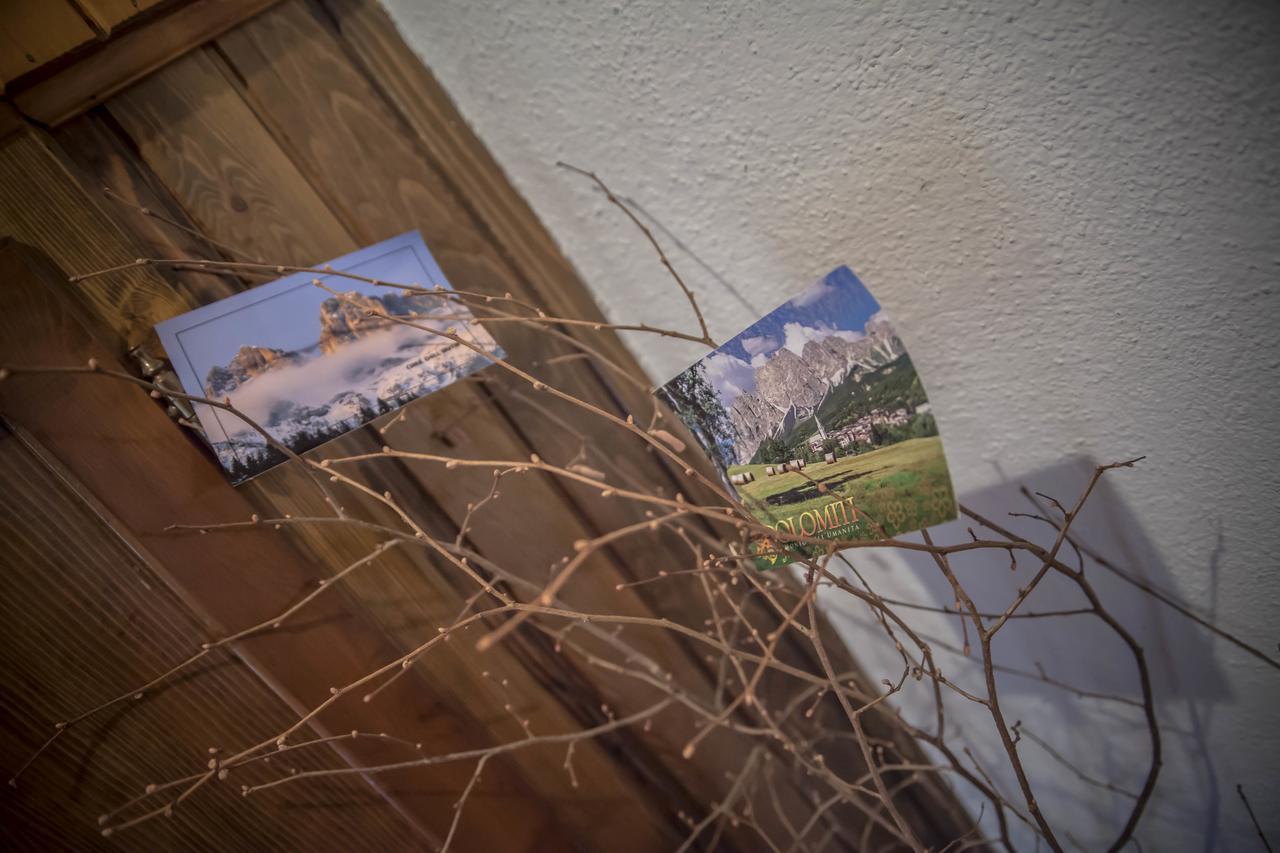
(816, 418)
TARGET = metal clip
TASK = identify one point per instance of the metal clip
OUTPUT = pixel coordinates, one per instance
(158, 371)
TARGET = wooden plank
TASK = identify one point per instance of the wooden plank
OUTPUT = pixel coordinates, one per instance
(110, 14)
(98, 158)
(82, 617)
(209, 149)
(94, 151)
(33, 32)
(325, 112)
(59, 238)
(130, 57)
(41, 205)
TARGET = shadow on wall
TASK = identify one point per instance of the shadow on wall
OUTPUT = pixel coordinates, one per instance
(1069, 679)
(1105, 739)
(1083, 651)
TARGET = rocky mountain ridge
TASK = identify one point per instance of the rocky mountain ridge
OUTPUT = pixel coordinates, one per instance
(753, 420)
(412, 371)
(790, 386)
(341, 321)
(248, 362)
(785, 378)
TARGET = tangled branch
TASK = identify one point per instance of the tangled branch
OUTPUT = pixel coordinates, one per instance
(770, 678)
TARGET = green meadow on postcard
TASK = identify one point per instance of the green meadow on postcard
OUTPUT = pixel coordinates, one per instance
(816, 417)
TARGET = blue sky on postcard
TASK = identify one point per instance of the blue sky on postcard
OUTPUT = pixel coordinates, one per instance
(837, 304)
(286, 313)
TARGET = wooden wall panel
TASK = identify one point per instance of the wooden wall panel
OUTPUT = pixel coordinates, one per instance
(201, 139)
(65, 222)
(207, 175)
(217, 139)
(82, 617)
(40, 205)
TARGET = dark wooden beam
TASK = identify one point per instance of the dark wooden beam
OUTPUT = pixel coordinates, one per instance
(94, 74)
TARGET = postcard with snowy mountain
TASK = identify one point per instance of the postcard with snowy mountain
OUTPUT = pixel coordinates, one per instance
(309, 366)
(817, 419)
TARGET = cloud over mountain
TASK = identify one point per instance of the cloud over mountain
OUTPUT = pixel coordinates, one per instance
(759, 345)
(729, 375)
(814, 294)
(797, 335)
(359, 365)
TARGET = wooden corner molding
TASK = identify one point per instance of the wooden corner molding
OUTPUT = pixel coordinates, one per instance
(125, 58)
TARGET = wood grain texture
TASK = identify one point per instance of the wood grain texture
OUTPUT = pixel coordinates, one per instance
(82, 615)
(207, 146)
(33, 32)
(129, 57)
(41, 205)
(110, 14)
(136, 182)
(97, 155)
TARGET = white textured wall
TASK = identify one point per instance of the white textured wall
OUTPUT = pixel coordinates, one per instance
(1072, 211)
